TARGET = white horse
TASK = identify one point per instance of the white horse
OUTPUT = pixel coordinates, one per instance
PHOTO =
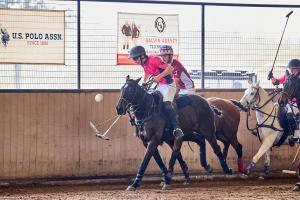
(269, 130)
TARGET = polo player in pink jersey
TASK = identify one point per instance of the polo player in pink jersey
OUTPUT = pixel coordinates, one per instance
(184, 83)
(153, 65)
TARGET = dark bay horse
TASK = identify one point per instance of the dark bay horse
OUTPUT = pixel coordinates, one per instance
(227, 125)
(291, 90)
(196, 118)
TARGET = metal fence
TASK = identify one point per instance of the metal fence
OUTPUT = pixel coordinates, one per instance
(229, 58)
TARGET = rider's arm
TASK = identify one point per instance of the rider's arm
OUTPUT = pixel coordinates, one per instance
(176, 80)
(281, 80)
(146, 77)
(168, 70)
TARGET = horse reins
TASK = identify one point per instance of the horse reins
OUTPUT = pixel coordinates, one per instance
(269, 115)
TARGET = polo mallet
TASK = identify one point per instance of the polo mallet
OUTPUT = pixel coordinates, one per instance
(289, 171)
(270, 75)
(103, 135)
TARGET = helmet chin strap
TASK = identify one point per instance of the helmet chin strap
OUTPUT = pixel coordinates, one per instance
(170, 59)
(143, 59)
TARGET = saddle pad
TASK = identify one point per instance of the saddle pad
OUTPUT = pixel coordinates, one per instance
(182, 101)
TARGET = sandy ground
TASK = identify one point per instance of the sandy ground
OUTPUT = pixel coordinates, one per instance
(215, 190)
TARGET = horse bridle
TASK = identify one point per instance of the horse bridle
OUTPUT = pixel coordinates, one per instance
(128, 102)
(269, 115)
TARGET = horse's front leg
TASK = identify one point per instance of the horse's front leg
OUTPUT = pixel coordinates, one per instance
(151, 148)
(167, 179)
(266, 145)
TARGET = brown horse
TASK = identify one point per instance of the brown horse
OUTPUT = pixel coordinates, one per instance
(227, 125)
(195, 118)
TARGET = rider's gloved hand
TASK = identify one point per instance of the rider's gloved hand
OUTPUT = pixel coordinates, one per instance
(270, 75)
(275, 81)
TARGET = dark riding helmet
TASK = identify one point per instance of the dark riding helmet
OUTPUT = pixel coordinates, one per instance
(136, 51)
(165, 50)
(294, 63)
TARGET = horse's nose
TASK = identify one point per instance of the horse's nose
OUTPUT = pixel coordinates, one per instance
(119, 110)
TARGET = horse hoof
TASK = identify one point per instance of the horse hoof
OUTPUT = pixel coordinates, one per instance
(187, 181)
(208, 169)
(229, 171)
(161, 183)
(131, 188)
(296, 188)
(261, 178)
(166, 187)
(244, 176)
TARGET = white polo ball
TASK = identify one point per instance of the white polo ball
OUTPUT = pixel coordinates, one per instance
(98, 97)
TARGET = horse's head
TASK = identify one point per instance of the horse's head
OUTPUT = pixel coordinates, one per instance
(130, 94)
(251, 96)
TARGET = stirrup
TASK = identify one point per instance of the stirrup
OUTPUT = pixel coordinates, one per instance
(178, 133)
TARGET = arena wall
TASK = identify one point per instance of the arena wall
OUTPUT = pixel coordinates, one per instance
(46, 134)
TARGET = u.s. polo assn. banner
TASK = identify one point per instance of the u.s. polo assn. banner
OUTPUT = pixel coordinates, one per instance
(147, 30)
(32, 36)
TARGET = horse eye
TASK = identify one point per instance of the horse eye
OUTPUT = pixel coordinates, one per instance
(252, 93)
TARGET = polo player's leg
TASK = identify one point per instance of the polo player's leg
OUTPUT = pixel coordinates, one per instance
(151, 148)
(172, 115)
(267, 162)
(266, 145)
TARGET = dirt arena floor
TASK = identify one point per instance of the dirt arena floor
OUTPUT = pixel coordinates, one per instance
(215, 190)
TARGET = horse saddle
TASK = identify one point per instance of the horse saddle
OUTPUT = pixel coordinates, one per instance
(181, 102)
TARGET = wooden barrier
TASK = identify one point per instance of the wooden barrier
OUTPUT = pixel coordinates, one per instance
(47, 135)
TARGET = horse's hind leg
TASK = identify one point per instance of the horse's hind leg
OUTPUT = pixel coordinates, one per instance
(182, 163)
(225, 150)
(176, 150)
(267, 162)
(217, 150)
(202, 152)
(239, 151)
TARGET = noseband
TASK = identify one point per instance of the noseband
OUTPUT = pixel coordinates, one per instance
(129, 102)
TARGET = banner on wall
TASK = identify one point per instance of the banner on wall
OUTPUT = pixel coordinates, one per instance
(32, 36)
(147, 30)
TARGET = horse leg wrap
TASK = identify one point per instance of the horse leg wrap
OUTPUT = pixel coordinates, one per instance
(137, 181)
(167, 178)
(185, 170)
(250, 167)
(202, 155)
(241, 165)
(224, 164)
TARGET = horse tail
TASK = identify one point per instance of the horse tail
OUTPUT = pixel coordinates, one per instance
(216, 111)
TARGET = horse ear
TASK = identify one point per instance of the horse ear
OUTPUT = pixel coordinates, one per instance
(250, 82)
(127, 77)
(138, 80)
